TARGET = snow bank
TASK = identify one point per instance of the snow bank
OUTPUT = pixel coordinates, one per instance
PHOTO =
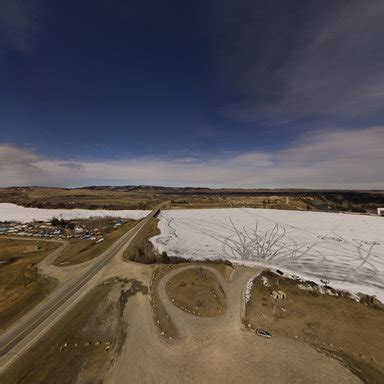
(248, 289)
(345, 249)
(13, 212)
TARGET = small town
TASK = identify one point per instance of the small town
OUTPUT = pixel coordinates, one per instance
(56, 229)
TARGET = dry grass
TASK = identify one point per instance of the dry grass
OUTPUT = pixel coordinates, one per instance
(162, 320)
(82, 344)
(79, 198)
(149, 197)
(21, 286)
(338, 325)
(267, 201)
(78, 251)
(224, 269)
(141, 250)
(197, 292)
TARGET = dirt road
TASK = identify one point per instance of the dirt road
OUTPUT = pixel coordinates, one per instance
(19, 338)
(215, 350)
(46, 266)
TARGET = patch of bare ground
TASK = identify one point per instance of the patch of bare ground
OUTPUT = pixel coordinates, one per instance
(335, 324)
(141, 250)
(84, 343)
(141, 197)
(197, 291)
(225, 269)
(21, 285)
(162, 320)
(88, 198)
(257, 201)
(79, 251)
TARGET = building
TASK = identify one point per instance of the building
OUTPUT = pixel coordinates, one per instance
(279, 295)
(380, 211)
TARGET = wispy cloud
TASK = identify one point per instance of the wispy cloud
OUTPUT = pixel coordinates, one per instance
(336, 159)
(324, 60)
(19, 24)
(19, 166)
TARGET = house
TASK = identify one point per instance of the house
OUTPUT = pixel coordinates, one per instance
(380, 211)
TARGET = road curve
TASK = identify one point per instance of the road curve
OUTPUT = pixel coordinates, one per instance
(231, 319)
(47, 262)
(21, 336)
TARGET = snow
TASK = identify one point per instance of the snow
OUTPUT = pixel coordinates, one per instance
(265, 281)
(248, 289)
(345, 249)
(13, 212)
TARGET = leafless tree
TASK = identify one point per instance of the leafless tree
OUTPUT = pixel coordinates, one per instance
(254, 244)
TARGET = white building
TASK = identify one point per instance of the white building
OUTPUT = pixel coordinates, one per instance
(380, 211)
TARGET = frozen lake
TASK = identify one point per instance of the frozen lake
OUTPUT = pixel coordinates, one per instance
(345, 249)
(13, 212)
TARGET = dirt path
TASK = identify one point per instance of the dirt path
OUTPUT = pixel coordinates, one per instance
(46, 266)
(213, 350)
(189, 324)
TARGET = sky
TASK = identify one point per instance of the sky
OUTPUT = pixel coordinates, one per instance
(245, 93)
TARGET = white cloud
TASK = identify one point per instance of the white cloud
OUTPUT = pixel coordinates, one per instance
(334, 159)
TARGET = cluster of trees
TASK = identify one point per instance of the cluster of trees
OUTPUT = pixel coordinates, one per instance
(62, 223)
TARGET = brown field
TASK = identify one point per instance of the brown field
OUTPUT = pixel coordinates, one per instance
(339, 326)
(21, 286)
(78, 251)
(84, 342)
(262, 201)
(197, 291)
(147, 197)
(77, 198)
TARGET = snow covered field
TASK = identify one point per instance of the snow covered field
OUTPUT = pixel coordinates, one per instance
(345, 249)
(13, 212)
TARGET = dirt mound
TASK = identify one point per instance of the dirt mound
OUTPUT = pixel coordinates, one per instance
(197, 292)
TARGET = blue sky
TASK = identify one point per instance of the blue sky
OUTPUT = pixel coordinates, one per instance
(217, 93)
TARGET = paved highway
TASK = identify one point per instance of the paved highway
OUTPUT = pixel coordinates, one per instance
(20, 337)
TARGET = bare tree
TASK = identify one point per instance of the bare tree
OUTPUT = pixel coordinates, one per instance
(254, 244)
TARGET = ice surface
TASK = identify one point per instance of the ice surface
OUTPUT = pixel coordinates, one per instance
(13, 212)
(347, 250)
